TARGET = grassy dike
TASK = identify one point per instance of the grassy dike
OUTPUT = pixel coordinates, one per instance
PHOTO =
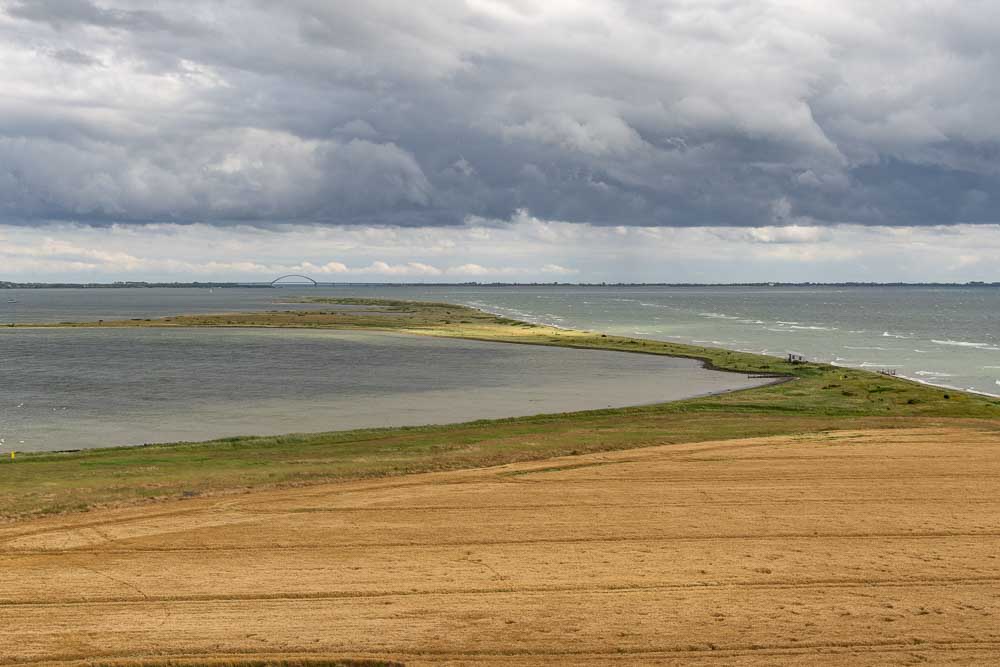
(819, 397)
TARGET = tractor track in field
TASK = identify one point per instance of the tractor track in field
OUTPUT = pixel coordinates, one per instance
(870, 547)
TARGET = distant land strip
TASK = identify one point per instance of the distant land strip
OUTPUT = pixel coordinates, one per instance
(229, 284)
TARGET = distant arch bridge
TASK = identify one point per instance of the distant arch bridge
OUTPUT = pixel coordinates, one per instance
(300, 280)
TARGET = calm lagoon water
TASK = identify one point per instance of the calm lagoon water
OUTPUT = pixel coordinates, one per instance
(80, 388)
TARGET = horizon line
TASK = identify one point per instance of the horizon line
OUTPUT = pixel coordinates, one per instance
(9, 284)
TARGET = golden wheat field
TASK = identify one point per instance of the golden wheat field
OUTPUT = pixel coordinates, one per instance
(859, 547)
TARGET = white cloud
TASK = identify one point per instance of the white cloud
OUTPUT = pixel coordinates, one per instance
(789, 234)
(322, 269)
(524, 249)
(409, 269)
(472, 270)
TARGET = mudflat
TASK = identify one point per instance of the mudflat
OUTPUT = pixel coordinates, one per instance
(850, 547)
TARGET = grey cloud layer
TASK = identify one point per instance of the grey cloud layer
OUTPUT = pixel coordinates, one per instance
(642, 112)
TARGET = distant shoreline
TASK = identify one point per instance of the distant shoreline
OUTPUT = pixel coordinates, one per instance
(268, 285)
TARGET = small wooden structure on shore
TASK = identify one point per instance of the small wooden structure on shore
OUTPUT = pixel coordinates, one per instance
(796, 358)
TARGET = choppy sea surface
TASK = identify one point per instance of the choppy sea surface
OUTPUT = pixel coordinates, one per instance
(945, 336)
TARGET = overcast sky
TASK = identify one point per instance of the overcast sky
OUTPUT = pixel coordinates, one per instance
(452, 140)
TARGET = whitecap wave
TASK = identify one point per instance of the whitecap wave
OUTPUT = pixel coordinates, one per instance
(941, 385)
(935, 374)
(719, 316)
(965, 343)
(886, 334)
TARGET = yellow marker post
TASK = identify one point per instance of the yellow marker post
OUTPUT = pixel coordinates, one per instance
(12, 455)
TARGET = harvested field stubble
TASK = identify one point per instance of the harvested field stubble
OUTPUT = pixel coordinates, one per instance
(866, 547)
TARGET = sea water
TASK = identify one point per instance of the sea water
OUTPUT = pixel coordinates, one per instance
(944, 336)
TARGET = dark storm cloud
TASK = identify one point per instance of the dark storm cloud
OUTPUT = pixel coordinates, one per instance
(74, 57)
(613, 112)
(65, 13)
